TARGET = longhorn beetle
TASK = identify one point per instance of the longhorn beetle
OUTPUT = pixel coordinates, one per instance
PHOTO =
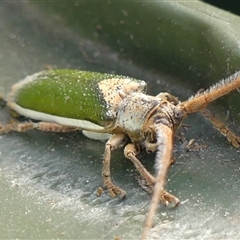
(107, 106)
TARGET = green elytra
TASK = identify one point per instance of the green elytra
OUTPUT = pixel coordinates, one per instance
(69, 93)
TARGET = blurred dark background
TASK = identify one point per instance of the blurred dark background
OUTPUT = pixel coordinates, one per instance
(231, 6)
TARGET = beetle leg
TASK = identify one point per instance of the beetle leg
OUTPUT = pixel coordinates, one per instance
(15, 126)
(130, 152)
(224, 130)
(42, 126)
(54, 127)
(3, 102)
(114, 142)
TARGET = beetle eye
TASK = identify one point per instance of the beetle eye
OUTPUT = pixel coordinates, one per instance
(157, 120)
(178, 115)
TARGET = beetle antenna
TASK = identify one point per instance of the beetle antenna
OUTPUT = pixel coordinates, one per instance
(163, 161)
(201, 100)
(3, 102)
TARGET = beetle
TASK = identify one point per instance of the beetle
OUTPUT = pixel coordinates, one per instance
(117, 109)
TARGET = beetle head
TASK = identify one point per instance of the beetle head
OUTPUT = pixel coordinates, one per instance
(166, 113)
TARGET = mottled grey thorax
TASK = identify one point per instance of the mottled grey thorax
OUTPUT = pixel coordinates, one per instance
(133, 111)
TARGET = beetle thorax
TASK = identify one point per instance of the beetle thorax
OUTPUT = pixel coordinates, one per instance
(132, 114)
(139, 115)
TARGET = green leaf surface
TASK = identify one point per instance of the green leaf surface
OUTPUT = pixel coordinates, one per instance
(48, 181)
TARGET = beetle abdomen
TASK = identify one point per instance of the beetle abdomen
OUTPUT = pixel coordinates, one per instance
(73, 94)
